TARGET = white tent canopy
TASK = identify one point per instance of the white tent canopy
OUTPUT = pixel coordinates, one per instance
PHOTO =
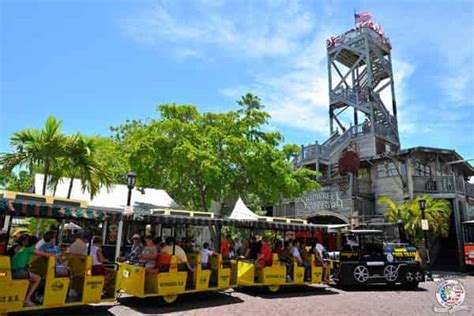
(241, 211)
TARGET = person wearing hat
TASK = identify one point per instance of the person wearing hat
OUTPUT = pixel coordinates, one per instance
(137, 248)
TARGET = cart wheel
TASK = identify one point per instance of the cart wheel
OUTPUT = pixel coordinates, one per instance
(410, 281)
(361, 274)
(170, 298)
(273, 288)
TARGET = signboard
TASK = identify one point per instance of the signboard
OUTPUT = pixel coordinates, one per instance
(424, 224)
(324, 199)
(128, 210)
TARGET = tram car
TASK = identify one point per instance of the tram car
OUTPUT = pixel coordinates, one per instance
(366, 259)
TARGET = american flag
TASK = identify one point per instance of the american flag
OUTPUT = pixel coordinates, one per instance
(362, 17)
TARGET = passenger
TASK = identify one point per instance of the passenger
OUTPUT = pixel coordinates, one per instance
(3, 242)
(295, 252)
(41, 243)
(81, 244)
(237, 248)
(20, 266)
(350, 243)
(149, 253)
(97, 257)
(244, 248)
(181, 256)
(16, 246)
(305, 257)
(61, 269)
(205, 253)
(136, 249)
(225, 247)
(265, 256)
(188, 245)
(321, 254)
(254, 249)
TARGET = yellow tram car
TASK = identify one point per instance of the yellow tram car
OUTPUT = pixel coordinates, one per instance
(90, 287)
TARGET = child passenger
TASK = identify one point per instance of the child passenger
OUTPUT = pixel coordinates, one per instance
(205, 253)
(20, 266)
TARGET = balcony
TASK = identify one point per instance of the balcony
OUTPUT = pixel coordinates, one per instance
(442, 184)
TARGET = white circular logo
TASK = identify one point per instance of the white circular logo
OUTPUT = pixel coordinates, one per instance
(389, 257)
(450, 293)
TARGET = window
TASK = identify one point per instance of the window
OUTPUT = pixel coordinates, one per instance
(387, 169)
(422, 169)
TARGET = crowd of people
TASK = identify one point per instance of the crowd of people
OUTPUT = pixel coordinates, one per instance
(27, 248)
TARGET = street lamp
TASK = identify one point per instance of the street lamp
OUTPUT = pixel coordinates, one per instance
(131, 180)
(424, 227)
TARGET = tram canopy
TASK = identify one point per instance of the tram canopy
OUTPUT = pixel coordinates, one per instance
(38, 209)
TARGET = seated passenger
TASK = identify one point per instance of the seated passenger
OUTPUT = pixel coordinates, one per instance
(265, 256)
(61, 269)
(254, 249)
(188, 245)
(295, 252)
(41, 243)
(81, 244)
(205, 253)
(305, 257)
(180, 255)
(97, 257)
(136, 249)
(225, 247)
(149, 254)
(321, 254)
(20, 266)
(3, 242)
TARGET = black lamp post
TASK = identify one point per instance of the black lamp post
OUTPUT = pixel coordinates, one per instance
(422, 205)
(131, 180)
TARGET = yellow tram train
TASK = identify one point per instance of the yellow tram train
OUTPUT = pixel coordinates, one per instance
(132, 278)
(90, 288)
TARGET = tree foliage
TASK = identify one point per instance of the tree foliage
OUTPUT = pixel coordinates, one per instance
(437, 213)
(204, 157)
(56, 155)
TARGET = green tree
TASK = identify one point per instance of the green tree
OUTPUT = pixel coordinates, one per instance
(36, 149)
(79, 161)
(437, 212)
(204, 157)
(21, 182)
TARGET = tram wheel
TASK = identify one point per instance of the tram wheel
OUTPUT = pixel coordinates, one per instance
(170, 298)
(273, 288)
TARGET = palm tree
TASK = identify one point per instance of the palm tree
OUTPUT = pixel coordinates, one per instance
(79, 162)
(437, 213)
(36, 148)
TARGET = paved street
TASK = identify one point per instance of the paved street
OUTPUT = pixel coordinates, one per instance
(374, 300)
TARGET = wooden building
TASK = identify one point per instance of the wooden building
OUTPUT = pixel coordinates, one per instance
(363, 119)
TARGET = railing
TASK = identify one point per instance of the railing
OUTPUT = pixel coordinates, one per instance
(442, 184)
(470, 189)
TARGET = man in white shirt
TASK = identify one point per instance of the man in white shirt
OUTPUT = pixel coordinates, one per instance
(295, 252)
(205, 253)
(321, 252)
(80, 245)
(41, 243)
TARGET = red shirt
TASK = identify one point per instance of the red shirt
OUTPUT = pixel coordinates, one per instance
(225, 248)
(266, 253)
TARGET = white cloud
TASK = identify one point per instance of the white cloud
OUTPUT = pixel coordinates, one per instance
(249, 31)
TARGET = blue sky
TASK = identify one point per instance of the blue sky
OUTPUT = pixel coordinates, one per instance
(96, 63)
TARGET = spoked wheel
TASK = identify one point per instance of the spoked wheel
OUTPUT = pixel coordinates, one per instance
(410, 281)
(361, 274)
(273, 288)
(170, 298)
(390, 273)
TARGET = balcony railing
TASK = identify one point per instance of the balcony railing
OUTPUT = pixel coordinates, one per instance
(439, 184)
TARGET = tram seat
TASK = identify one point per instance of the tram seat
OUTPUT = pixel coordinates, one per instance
(298, 272)
(203, 276)
(163, 283)
(12, 291)
(56, 288)
(274, 274)
(316, 271)
(220, 275)
(89, 286)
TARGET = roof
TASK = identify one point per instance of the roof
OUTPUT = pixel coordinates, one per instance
(115, 198)
(148, 217)
(241, 211)
(469, 222)
(468, 168)
(43, 210)
(365, 231)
